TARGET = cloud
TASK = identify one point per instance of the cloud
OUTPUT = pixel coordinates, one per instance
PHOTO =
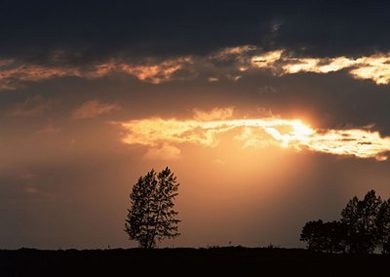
(280, 62)
(32, 106)
(227, 63)
(266, 60)
(236, 28)
(287, 133)
(151, 71)
(213, 79)
(232, 52)
(165, 152)
(375, 67)
(156, 73)
(216, 113)
(94, 108)
(14, 74)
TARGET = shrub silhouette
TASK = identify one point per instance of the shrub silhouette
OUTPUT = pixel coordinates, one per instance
(364, 227)
(152, 217)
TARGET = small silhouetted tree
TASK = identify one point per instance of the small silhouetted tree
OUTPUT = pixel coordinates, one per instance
(312, 236)
(360, 219)
(324, 236)
(152, 216)
(383, 226)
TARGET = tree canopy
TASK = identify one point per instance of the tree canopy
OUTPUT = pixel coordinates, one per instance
(152, 216)
(364, 226)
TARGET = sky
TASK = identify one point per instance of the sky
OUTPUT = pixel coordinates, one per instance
(270, 114)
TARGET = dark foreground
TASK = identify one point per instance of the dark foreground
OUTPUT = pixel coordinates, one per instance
(186, 262)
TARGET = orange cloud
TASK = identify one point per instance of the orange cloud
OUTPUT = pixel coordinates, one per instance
(287, 133)
(233, 52)
(230, 63)
(156, 73)
(266, 60)
(94, 108)
(213, 79)
(13, 74)
(375, 67)
(152, 72)
(216, 113)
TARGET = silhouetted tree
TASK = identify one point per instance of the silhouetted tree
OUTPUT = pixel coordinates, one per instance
(383, 226)
(324, 237)
(360, 219)
(312, 236)
(337, 232)
(152, 217)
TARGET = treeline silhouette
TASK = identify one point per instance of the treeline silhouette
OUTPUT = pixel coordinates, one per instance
(364, 228)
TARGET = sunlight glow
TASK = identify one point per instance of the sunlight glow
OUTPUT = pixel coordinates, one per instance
(286, 133)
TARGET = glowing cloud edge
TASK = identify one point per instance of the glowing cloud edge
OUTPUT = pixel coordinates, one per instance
(286, 133)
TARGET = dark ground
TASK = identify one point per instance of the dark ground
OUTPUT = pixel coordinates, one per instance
(238, 261)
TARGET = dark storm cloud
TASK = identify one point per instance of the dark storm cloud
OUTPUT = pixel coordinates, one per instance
(91, 30)
(85, 31)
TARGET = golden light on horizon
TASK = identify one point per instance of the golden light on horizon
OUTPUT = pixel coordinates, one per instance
(285, 133)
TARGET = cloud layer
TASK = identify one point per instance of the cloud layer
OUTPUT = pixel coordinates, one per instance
(13, 74)
(227, 63)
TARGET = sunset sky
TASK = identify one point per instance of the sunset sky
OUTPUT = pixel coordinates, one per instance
(270, 113)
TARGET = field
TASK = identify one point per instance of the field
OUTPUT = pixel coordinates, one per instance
(239, 261)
